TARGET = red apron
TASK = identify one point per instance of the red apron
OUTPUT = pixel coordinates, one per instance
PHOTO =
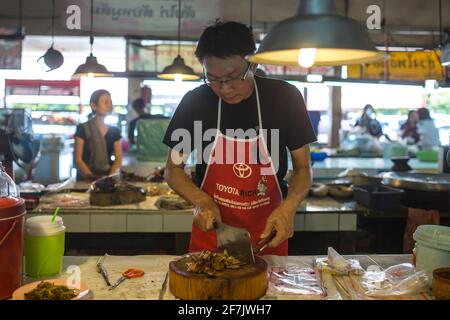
(245, 190)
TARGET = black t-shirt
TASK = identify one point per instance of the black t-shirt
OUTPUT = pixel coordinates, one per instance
(282, 107)
(111, 136)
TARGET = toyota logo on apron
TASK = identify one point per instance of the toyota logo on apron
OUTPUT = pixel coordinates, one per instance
(242, 170)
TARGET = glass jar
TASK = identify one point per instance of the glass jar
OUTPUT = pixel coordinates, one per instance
(7, 186)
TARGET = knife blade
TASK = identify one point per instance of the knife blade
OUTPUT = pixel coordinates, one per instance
(163, 287)
(236, 241)
(102, 270)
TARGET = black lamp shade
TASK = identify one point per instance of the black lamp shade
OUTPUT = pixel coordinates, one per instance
(178, 69)
(337, 39)
(91, 68)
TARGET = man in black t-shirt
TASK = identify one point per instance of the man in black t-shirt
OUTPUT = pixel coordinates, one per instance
(241, 127)
(139, 106)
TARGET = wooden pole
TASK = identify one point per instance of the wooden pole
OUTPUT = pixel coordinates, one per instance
(335, 112)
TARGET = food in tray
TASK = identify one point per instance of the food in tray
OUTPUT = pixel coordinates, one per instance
(49, 291)
(207, 262)
(173, 203)
(318, 190)
(132, 177)
(159, 189)
(340, 191)
(156, 176)
(111, 190)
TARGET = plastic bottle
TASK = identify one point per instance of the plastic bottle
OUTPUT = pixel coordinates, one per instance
(7, 186)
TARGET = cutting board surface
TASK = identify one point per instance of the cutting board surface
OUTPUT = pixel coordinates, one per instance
(246, 283)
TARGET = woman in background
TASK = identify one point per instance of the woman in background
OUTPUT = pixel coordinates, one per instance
(429, 134)
(96, 142)
(409, 128)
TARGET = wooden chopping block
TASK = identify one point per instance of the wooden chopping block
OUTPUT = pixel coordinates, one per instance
(246, 283)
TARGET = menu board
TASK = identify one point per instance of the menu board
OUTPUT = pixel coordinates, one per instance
(404, 66)
(146, 17)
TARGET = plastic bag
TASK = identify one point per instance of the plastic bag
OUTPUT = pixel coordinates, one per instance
(332, 270)
(294, 282)
(31, 187)
(65, 200)
(336, 264)
(65, 185)
(397, 280)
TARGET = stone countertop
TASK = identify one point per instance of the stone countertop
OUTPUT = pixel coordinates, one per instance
(309, 205)
(370, 163)
(156, 266)
(331, 167)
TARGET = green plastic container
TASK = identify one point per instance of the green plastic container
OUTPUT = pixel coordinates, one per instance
(44, 246)
(428, 155)
(149, 146)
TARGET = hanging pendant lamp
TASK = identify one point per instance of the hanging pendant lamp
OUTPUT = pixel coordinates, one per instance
(52, 59)
(316, 36)
(91, 68)
(178, 70)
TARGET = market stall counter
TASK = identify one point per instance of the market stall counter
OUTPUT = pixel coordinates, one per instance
(154, 284)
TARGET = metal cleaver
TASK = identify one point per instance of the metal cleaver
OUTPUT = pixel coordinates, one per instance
(236, 241)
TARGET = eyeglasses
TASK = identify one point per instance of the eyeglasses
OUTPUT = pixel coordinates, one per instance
(230, 82)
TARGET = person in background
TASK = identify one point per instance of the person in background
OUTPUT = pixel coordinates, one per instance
(369, 124)
(409, 128)
(367, 115)
(429, 134)
(96, 142)
(140, 108)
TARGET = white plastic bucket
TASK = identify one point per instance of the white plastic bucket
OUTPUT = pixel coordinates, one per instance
(432, 248)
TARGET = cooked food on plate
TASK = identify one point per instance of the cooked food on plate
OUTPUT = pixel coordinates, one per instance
(48, 291)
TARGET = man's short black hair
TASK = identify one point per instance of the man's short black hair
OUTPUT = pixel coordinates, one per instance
(225, 39)
(138, 104)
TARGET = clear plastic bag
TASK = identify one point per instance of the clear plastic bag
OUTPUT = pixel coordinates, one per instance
(62, 186)
(295, 282)
(346, 279)
(336, 264)
(30, 187)
(397, 280)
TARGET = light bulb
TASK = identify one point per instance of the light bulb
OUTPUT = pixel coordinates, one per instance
(306, 57)
(178, 77)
